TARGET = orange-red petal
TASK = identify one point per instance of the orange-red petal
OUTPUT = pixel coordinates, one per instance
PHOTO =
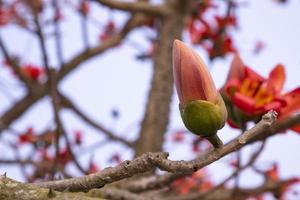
(237, 68)
(192, 78)
(232, 124)
(296, 128)
(292, 100)
(251, 74)
(246, 104)
(274, 105)
(276, 78)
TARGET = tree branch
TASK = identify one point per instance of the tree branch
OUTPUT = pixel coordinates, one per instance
(156, 115)
(28, 83)
(108, 175)
(135, 21)
(135, 7)
(41, 90)
(116, 194)
(69, 104)
(150, 161)
(21, 106)
(11, 190)
(238, 193)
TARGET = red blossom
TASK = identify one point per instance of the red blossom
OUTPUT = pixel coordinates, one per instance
(253, 95)
(178, 136)
(212, 35)
(226, 21)
(28, 137)
(196, 182)
(222, 45)
(32, 71)
(64, 156)
(93, 168)
(109, 30)
(78, 137)
(273, 173)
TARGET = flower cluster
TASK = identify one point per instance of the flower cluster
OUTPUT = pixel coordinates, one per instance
(212, 34)
(196, 182)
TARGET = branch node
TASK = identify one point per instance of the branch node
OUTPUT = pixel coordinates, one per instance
(270, 117)
(51, 194)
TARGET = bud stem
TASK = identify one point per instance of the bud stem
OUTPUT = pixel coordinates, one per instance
(215, 141)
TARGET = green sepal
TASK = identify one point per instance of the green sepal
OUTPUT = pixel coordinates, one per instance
(203, 117)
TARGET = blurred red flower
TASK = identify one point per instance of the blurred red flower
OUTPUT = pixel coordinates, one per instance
(33, 72)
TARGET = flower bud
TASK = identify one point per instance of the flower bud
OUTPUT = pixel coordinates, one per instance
(202, 107)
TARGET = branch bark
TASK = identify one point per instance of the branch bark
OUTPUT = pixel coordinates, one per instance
(156, 117)
(11, 190)
(150, 161)
(69, 104)
(138, 6)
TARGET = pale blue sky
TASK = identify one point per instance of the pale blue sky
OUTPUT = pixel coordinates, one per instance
(116, 80)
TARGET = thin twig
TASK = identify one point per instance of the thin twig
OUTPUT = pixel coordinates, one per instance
(28, 83)
(69, 104)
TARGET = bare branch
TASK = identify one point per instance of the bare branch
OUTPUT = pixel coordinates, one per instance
(117, 194)
(11, 190)
(150, 183)
(41, 90)
(139, 6)
(156, 115)
(69, 104)
(238, 193)
(28, 83)
(133, 22)
(108, 175)
(21, 106)
(150, 161)
(16, 162)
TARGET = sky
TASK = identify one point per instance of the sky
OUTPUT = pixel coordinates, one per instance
(115, 80)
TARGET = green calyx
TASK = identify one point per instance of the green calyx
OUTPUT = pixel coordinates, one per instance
(203, 117)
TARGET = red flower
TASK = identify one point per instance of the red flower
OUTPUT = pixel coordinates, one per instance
(272, 173)
(93, 168)
(64, 156)
(28, 137)
(109, 30)
(212, 35)
(226, 21)
(178, 136)
(78, 137)
(196, 182)
(33, 72)
(247, 92)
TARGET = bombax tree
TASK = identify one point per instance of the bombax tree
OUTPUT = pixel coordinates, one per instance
(52, 160)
